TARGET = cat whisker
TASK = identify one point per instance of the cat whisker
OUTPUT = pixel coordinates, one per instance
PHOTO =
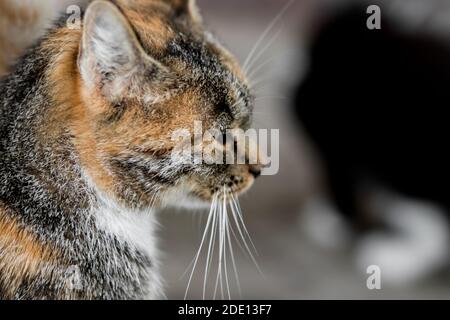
(224, 226)
(235, 210)
(212, 243)
(233, 259)
(155, 198)
(261, 98)
(266, 32)
(239, 211)
(219, 278)
(208, 223)
(260, 83)
(225, 212)
(238, 241)
(255, 71)
(260, 54)
(187, 269)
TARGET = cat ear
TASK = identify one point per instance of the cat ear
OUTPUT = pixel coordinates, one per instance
(110, 51)
(187, 8)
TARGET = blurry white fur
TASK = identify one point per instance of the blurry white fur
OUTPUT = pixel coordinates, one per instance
(323, 225)
(417, 247)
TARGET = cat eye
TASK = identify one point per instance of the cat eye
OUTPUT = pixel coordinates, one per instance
(224, 107)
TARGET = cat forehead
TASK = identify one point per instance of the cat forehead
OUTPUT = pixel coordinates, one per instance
(156, 22)
(181, 43)
(186, 47)
(211, 69)
(165, 33)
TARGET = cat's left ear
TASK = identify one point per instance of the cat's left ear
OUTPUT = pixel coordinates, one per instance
(187, 8)
(110, 55)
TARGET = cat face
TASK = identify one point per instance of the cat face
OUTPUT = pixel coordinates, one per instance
(148, 69)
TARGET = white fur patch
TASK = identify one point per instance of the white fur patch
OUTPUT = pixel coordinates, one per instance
(136, 229)
(418, 247)
(324, 226)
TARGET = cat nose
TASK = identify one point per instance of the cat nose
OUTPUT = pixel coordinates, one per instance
(255, 171)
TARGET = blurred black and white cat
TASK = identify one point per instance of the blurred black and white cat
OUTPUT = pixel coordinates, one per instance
(374, 103)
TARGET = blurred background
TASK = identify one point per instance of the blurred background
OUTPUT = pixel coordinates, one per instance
(296, 254)
(306, 251)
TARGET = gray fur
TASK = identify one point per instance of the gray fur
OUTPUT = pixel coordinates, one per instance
(38, 193)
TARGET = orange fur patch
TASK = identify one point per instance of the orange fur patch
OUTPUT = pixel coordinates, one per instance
(22, 256)
(153, 31)
(70, 112)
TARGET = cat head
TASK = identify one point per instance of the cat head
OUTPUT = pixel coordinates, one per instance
(148, 69)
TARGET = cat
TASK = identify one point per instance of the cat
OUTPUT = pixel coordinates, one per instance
(86, 119)
(373, 104)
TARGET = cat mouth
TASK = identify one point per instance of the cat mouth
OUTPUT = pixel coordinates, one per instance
(230, 189)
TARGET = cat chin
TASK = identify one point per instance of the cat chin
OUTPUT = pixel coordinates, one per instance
(189, 202)
(196, 204)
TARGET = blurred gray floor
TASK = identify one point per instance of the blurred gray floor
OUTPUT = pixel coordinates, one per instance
(293, 267)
